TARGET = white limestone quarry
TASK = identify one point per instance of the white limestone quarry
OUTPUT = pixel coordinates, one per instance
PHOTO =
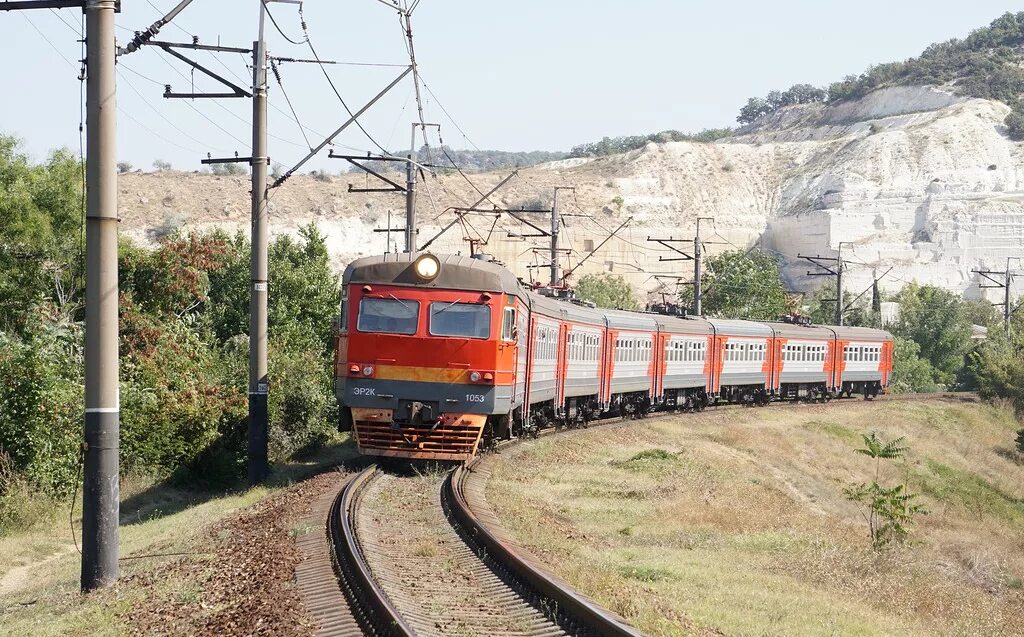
(919, 180)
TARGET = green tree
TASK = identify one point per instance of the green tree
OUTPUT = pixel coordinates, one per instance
(740, 284)
(910, 372)
(981, 312)
(997, 367)
(937, 320)
(615, 145)
(607, 290)
(753, 109)
(823, 307)
(40, 233)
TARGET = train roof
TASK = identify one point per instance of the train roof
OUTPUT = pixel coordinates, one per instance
(561, 308)
(687, 325)
(861, 334)
(457, 273)
(794, 330)
(733, 327)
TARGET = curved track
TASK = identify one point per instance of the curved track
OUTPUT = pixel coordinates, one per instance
(414, 556)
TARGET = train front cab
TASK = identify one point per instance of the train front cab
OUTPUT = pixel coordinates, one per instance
(422, 365)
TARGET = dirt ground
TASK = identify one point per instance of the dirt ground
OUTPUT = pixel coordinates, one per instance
(244, 585)
(191, 563)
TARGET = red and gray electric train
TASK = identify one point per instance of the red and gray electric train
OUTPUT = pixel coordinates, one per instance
(435, 354)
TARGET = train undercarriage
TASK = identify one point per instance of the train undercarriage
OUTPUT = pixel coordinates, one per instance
(579, 411)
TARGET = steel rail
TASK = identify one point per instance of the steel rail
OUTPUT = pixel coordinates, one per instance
(376, 613)
(578, 609)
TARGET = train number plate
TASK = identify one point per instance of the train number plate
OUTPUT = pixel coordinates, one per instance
(364, 391)
(474, 398)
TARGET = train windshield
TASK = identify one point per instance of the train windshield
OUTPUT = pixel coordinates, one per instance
(467, 320)
(392, 316)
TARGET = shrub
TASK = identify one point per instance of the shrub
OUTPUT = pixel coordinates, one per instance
(653, 455)
(1015, 124)
(21, 506)
(889, 511)
(615, 145)
(123, 167)
(41, 401)
(161, 165)
(179, 396)
(232, 169)
(320, 175)
(302, 408)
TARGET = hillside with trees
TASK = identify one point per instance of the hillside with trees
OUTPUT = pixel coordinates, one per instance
(986, 64)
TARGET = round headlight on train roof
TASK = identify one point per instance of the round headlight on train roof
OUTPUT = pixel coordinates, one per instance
(427, 267)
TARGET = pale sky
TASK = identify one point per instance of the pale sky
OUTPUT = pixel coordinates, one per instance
(523, 75)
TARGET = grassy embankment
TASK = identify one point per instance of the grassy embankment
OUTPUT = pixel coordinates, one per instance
(39, 567)
(735, 522)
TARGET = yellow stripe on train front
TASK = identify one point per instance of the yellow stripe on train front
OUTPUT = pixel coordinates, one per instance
(422, 374)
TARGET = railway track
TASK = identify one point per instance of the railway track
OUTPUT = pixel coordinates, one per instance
(424, 555)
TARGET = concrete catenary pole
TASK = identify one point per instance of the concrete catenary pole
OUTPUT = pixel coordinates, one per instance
(555, 222)
(410, 195)
(1007, 308)
(258, 381)
(100, 488)
(697, 255)
(839, 285)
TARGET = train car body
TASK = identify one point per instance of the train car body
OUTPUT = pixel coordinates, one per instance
(436, 355)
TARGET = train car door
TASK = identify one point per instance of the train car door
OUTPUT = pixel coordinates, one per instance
(561, 365)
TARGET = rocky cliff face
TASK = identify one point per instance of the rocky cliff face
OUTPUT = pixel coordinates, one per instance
(916, 179)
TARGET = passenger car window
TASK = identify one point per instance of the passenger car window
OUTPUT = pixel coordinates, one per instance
(391, 316)
(467, 320)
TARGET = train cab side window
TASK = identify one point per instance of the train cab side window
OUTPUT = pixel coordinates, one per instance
(508, 324)
(343, 320)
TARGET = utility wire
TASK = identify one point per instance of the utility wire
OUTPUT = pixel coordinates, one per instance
(312, 49)
(277, 76)
(154, 133)
(278, 27)
(66, 23)
(48, 41)
(448, 115)
(157, 111)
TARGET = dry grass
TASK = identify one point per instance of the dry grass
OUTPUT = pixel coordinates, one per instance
(735, 522)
